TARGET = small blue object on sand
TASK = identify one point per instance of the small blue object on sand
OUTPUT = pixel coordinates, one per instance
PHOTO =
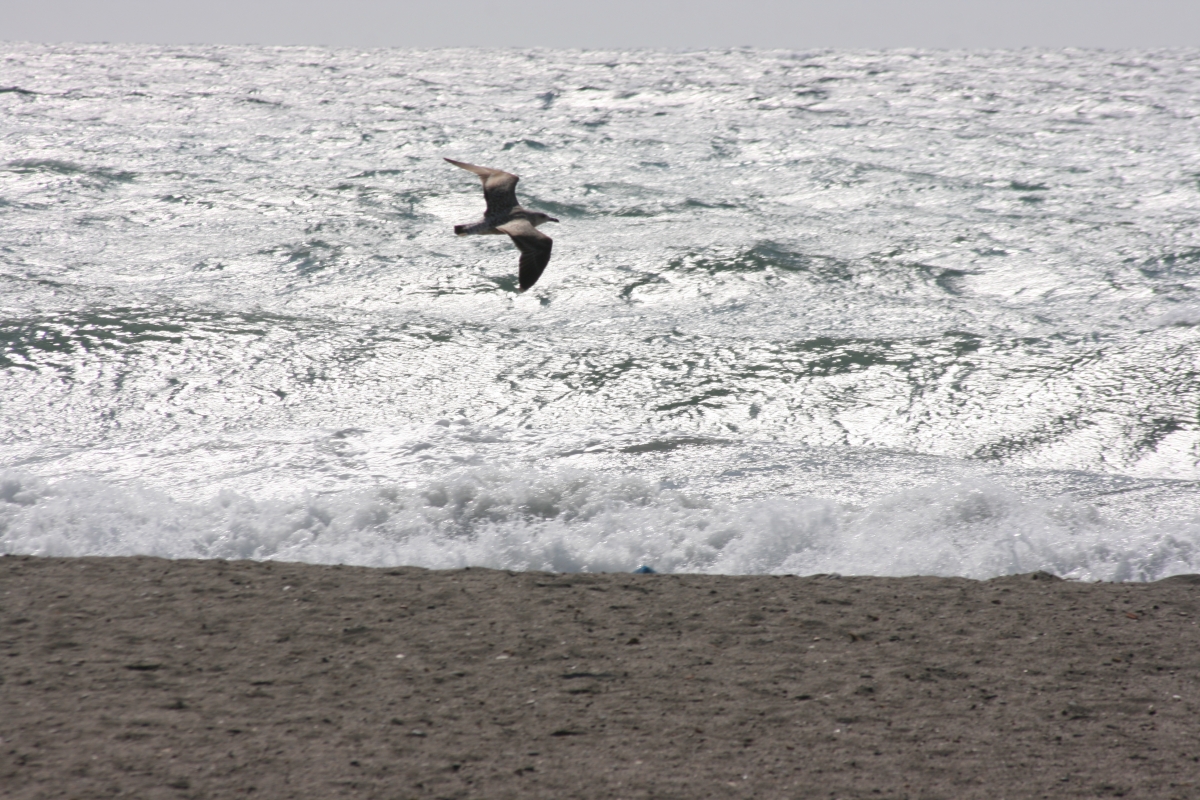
(644, 570)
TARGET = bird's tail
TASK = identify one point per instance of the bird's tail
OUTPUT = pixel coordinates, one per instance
(483, 226)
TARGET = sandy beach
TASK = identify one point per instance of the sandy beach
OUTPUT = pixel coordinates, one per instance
(201, 679)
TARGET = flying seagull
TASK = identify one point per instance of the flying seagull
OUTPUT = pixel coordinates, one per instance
(505, 215)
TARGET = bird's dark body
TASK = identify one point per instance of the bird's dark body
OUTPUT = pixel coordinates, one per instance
(504, 215)
(489, 225)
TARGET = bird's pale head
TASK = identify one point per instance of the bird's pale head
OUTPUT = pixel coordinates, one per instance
(537, 218)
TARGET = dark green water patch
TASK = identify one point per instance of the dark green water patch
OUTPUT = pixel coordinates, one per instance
(556, 209)
(597, 376)
(1153, 431)
(43, 341)
(923, 359)
(704, 399)
(810, 93)
(645, 279)
(667, 445)
(311, 256)
(694, 203)
(1035, 437)
(824, 356)
(1184, 262)
(98, 177)
(507, 283)
(949, 280)
(29, 343)
(764, 256)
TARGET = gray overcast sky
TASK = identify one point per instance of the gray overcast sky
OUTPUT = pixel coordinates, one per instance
(793, 24)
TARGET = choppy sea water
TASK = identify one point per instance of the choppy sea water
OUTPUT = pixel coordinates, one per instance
(861, 312)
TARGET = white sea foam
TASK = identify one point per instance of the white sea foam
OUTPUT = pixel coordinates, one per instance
(571, 521)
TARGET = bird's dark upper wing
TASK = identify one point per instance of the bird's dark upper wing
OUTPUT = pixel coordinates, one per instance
(499, 187)
(534, 247)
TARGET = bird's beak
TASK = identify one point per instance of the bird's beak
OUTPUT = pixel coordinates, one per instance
(551, 219)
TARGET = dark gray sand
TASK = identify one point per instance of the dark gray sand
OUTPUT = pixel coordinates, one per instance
(207, 679)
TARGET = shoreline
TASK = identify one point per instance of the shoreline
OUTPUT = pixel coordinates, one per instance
(180, 679)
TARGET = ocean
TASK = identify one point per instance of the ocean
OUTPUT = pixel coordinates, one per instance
(869, 313)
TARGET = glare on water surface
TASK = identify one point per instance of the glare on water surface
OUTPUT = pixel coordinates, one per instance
(887, 313)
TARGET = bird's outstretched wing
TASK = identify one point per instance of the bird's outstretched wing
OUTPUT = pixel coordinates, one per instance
(499, 187)
(534, 247)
